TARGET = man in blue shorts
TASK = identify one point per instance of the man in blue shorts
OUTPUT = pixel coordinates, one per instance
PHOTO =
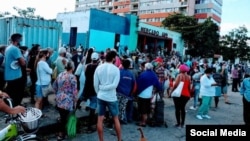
(106, 80)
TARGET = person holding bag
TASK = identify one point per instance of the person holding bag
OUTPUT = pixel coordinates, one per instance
(43, 72)
(180, 102)
(65, 87)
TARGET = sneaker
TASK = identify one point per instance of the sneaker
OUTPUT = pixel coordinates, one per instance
(199, 116)
(206, 116)
(192, 108)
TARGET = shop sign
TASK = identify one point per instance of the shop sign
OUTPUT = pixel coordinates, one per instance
(153, 32)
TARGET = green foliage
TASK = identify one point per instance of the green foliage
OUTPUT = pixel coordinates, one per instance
(201, 39)
(27, 13)
(234, 44)
(3, 14)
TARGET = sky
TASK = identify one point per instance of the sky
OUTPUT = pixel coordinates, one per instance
(235, 13)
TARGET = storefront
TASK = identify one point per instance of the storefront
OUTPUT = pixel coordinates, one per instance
(155, 40)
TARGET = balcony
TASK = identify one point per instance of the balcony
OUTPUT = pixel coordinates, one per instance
(134, 8)
(118, 3)
(121, 10)
(184, 3)
(134, 1)
(104, 4)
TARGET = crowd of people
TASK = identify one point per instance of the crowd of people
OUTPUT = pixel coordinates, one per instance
(113, 81)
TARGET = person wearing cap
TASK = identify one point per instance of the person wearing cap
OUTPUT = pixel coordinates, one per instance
(180, 102)
(106, 80)
(12, 70)
(89, 91)
(245, 92)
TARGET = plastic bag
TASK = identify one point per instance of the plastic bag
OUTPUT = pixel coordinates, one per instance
(71, 125)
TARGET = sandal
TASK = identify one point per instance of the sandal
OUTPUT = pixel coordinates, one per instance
(60, 138)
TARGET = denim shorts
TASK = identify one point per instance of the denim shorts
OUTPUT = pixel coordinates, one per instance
(39, 93)
(112, 107)
(224, 89)
(93, 102)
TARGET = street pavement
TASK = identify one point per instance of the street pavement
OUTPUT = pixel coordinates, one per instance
(225, 114)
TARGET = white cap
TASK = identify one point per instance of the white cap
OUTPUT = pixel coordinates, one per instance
(62, 50)
(94, 56)
(148, 66)
(79, 50)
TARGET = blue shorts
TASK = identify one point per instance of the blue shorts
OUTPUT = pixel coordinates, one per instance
(112, 107)
(93, 102)
(39, 93)
(224, 89)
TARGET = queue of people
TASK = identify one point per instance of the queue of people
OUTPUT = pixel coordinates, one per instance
(112, 83)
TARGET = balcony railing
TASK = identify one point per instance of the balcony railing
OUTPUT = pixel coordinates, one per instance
(134, 1)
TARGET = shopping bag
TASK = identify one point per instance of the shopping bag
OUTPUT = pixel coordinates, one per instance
(177, 91)
(71, 125)
(54, 73)
(46, 90)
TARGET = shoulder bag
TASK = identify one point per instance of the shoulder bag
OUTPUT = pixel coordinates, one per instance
(177, 90)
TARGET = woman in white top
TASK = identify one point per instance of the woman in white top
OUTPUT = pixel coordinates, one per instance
(43, 72)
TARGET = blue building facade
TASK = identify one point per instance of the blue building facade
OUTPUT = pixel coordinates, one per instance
(96, 28)
(102, 30)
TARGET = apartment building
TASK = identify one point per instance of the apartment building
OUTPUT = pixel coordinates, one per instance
(155, 11)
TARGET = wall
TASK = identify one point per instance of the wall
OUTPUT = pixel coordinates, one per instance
(103, 28)
(133, 36)
(104, 21)
(101, 40)
(75, 19)
(47, 33)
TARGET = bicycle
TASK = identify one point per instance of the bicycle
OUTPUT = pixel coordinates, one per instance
(13, 132)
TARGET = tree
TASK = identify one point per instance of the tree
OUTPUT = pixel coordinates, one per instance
(27, 13)
(207, 38)
(201, 39)
(183, 24)
(234, 44)
(3, 14)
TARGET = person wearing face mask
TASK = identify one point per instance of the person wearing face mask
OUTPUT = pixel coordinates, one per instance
(77, 57)
(13, 72)
(207, 91)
